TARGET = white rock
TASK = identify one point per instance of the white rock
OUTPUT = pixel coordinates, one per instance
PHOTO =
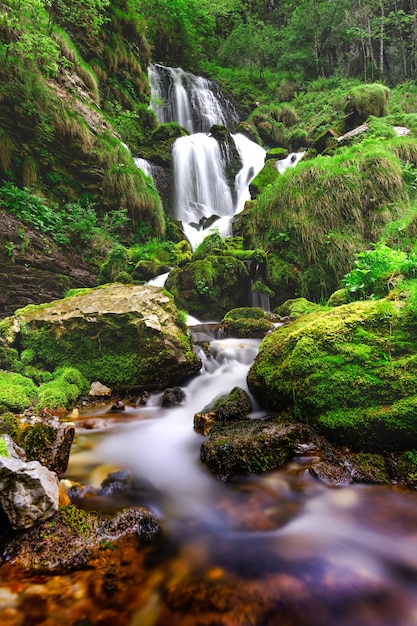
(29, 492)
(98, 389)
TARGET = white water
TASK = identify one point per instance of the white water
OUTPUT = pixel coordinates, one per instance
(331, 555)
(201, 186)
(187, 99)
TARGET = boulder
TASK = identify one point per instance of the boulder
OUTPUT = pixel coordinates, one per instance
(173, 396)
(127, 336)
(233, 406)
(29, 492)
(73, 537)
(349, 370)
(251, 446)
(208, 288)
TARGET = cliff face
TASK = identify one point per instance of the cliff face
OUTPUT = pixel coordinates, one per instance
(61, 135)
(34, 269)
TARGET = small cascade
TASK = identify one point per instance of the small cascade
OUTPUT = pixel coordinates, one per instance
(193, 101)
(253, 158)
(290, 161)
(200, 182)
(144, 165)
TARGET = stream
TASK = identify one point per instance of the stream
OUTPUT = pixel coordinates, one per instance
(271, 549)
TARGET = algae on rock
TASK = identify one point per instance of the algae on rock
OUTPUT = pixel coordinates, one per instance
(126, 336)
(351, 371)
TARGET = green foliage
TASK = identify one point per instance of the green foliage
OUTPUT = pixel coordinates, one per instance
(379, 270)
(318, 216)
(36, 440)
(3, 448)
(64, 390)
(17, 392)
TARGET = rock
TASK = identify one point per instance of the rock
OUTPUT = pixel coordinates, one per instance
(233, 406)
(251, 446)
(209, 287)
(38, 272)
(117, 407)
(48, 442)
(97, 389)
(247, 322)
(73, 537)
(126, 336)
(173, 396)
(29, 492)
(348, 370)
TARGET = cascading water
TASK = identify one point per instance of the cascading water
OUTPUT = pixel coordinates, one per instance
(200, 161)
(282, 547)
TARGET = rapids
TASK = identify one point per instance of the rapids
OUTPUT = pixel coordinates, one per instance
(278, 548)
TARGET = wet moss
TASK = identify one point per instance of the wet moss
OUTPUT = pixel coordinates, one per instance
(351, 370)
(17, 392)
(247, 322)
(3, 448)
(36, 440)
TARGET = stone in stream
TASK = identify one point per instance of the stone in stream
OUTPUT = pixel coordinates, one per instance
(73, 538)
(173, 396)
(29, 492)
(233, 406)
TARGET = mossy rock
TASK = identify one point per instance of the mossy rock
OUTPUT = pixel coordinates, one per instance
(366, 100)
(407, 467)
(251, 446)
(126, 336)
(351, 371)
(209, 287)
(297, 308)
(228, 407)
(17, 392)
(247, 322)
(276, 154)
(339, 297)
(266, 176)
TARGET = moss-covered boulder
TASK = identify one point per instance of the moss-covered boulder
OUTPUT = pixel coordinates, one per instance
(266, 177)
(209, 287)
(366, 100)
(247, 322)
(126, 336)
(351, 371)
(233, 406)
(297, 307)
(251, 446)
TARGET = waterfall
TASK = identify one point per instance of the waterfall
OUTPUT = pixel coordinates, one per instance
(193, 101)
(202, 187)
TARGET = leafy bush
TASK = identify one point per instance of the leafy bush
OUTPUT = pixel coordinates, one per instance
(377, 271)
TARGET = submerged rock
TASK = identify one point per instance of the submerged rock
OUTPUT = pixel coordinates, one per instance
(29, 492)
(173, 396)
(127, 336)
(73, 537)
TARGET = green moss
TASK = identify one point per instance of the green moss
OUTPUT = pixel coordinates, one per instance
(209, 287)
(366, 100)
(9, 424)
(3, 448)
(297, 308)
(16, 391)
(78, 520)
(247, 322)
(64, 390)
(407, 467)
(265, 177)
(36, 440)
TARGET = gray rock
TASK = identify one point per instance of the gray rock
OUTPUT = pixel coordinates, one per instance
(29, 492)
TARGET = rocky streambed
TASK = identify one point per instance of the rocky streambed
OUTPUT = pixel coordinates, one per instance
(190, 504)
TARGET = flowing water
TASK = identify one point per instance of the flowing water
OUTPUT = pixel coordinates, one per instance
(278, 548)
